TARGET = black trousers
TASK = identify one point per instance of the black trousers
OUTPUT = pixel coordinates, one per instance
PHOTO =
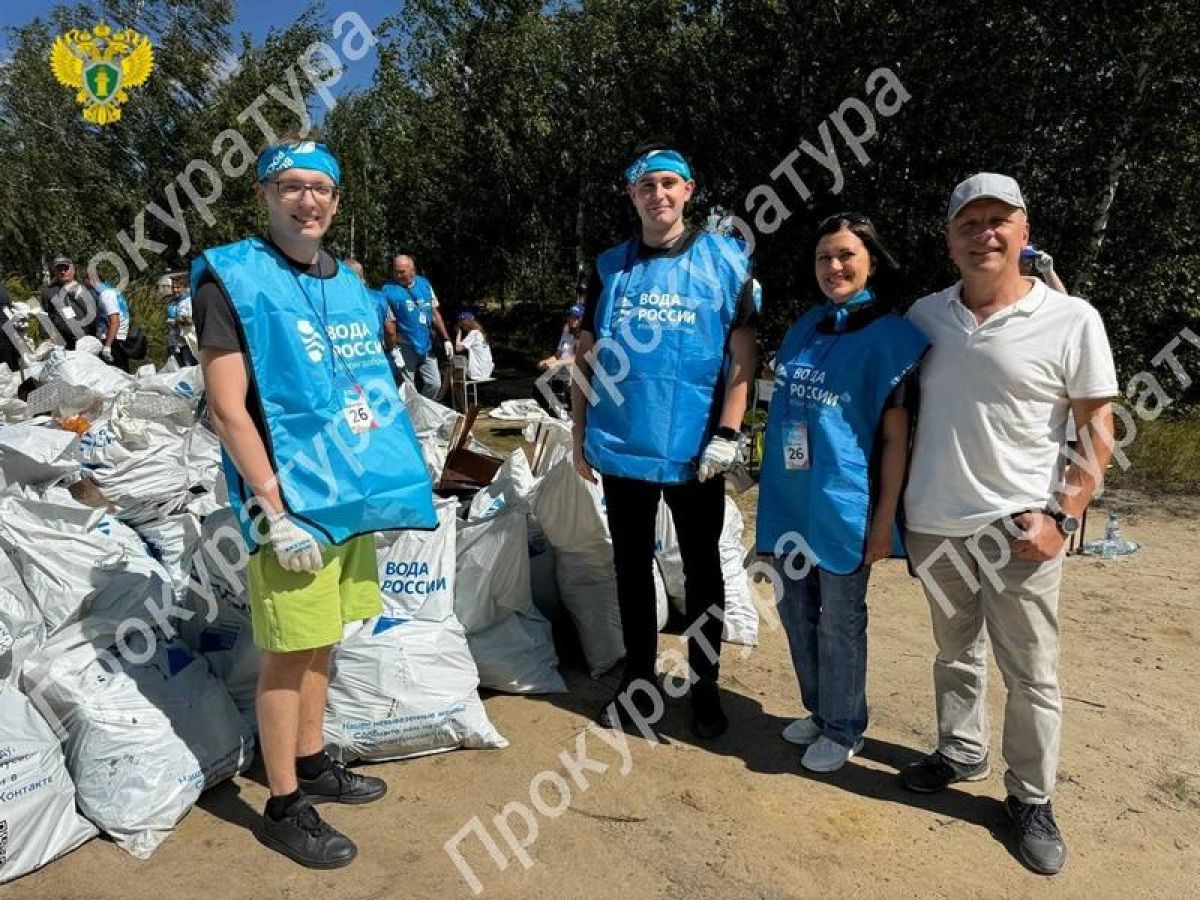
(699, 511)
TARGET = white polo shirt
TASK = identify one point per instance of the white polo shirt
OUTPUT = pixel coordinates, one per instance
(994, 403)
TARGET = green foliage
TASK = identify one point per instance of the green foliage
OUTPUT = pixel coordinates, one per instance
(491, 142)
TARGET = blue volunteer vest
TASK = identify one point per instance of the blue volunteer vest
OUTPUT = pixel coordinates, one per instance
(308, 351)
(662, 324)
(101, 319)
(413, 308)
(835, 384)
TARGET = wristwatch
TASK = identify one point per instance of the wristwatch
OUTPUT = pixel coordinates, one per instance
(1068, 525)
(729, 434)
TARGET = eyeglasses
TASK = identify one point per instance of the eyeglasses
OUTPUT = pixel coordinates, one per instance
(853, 218)
(294, 190)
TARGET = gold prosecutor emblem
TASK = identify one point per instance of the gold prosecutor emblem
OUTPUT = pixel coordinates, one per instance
(101, 64)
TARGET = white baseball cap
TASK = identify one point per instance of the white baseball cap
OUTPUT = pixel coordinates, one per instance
(985, 185)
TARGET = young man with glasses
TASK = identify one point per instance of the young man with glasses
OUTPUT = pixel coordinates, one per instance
(294, 369)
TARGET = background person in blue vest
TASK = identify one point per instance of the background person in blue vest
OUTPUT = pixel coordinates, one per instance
(414, 306)
(395, 360)
(673, 309)
(179, 319)
(293, 364)
(834, 460)
(990, 480)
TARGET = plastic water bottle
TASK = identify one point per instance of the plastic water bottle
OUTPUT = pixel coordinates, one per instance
(1112, 535)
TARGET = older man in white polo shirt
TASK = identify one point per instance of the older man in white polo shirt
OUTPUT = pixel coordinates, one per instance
(992, 496)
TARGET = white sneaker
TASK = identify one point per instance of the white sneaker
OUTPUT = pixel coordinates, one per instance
(828, 756)
(802, 732)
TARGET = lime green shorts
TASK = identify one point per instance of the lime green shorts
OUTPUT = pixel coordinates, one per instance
(302, 610)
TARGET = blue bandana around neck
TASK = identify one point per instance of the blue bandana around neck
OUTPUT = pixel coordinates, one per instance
(658, 161)
(839, 313)
(298, 155)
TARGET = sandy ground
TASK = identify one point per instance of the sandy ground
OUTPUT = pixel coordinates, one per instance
(739, 818)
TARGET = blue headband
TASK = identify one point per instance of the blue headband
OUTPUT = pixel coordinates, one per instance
(465, 316)
(298, 155)
(658, 161)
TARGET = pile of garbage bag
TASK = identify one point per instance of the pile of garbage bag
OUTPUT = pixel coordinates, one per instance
(127, 660)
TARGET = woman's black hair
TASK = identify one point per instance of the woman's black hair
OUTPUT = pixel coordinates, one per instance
(864, 229)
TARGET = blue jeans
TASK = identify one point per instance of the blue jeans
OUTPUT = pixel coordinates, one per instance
(427, 377)
(825, 617)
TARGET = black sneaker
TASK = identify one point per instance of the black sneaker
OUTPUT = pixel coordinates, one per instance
(337, 784)
(936, 772)
(616, 712)
(1041, 845)
(304, 837)
(708, 719)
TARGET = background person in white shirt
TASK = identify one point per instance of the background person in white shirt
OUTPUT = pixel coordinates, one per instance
(472, 340)
(112, 321)
(991, 499)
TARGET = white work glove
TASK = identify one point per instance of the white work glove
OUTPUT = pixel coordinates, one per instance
(106, 354)
(1044, 262)
(295, 548)
(449, 349)
(719, 456)
(398, 358)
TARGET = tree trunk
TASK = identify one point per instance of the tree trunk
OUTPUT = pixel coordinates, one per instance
(1115, 168)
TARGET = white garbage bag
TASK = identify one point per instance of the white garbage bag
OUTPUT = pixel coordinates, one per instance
(741, 616)
(588, 587)
(21, 626)
(571, 513)
(513, 485)
(491, 578)
(13, 411)
(516, 655)
(10, 381)
(556, 444)
(519, 411)
(38, 821)
(78, 369)
(543, 582)
(416, 568)
(149, 468)
(217, 622)
(172, 541)
(404, 687)
(76, 561)
(570, 510)
(143, 739)
(511, 642)
(32, 455)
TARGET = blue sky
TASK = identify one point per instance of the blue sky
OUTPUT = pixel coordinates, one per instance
(254, 16)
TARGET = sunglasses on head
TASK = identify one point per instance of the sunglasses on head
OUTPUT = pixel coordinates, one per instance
(853, 218)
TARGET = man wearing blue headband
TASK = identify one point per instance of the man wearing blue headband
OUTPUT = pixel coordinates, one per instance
(667, 351)
(294, 369)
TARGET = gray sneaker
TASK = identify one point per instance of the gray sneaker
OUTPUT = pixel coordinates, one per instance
(937, 772)
(1041, 845)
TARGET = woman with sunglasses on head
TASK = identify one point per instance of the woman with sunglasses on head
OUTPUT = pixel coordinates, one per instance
(834, 460)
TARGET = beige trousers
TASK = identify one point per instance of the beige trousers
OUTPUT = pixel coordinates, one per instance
(977, 589)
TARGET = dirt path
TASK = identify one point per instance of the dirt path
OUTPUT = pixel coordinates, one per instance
(739, 819)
